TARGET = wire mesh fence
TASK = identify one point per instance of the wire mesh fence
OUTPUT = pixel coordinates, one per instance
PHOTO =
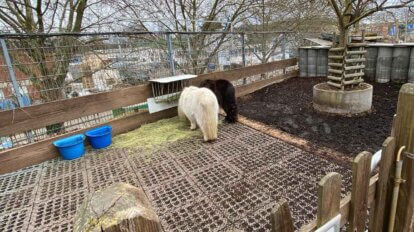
(39, 68)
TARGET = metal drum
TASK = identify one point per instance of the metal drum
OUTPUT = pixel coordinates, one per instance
(322, 62)
(400, 64)
(371, 63)
(384, 64)
(411, 67)
(312, 56)
(303, 62)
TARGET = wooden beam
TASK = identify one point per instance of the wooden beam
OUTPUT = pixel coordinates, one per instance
(361, 169)
(35, 153)
(329, 197)
(387, 160)
(37, 116)
(281, 218)
(345, 206)
(252, 87)
(239, 73)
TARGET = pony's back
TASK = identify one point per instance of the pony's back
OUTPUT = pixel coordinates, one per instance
(200, 107)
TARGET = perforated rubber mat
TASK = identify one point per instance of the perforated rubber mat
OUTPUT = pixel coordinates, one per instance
(232, 183)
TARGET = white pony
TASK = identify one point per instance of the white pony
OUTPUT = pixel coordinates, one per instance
(200, 107)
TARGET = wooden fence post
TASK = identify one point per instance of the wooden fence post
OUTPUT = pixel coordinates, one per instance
(405, 206)
(404, 136)
(329, 197)
(387, 160)
(361, 169)
(281, 218)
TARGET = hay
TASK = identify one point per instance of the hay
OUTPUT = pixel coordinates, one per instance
(153, 135)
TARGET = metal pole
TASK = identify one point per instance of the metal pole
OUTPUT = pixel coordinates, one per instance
(243, 55)
(284, 49)
(14, 80)
(243, 49)
(11, 72)
(170, 54)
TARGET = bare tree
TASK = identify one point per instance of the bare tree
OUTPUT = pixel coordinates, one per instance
(351, 12)
(46, 59)
(282, 15)
(189, 16)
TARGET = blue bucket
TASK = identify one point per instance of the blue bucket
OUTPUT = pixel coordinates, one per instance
(100, 137)
(71, 147)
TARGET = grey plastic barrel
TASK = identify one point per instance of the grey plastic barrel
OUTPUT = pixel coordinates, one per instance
(322, 63)
(312, 56)
(303, 62)
(411, 67)
(371, 63)
(384, 64)
(400, 64)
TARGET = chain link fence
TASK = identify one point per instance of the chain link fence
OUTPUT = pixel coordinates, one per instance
(39, 68)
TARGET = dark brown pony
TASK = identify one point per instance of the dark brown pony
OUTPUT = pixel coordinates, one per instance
(226, 96)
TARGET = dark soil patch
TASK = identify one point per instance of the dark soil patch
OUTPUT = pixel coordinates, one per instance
(288, 106)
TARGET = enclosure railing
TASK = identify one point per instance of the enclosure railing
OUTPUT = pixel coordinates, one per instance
(41, 68)
(31, 118)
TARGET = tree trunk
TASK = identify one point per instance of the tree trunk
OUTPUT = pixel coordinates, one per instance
(343, 36)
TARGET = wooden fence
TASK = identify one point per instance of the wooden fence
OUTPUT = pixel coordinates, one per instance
(32, 117)
(371, 196)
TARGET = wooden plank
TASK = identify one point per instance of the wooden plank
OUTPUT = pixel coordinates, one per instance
(335, 65)
(361, 169)
(359, 74)
(404, 136)
(335, 71)
(336, 57)
(334, 78)
(353, 82)
(354, 60)
(345, 206)
(387, 160)
(334, 84)
(357, 45)
(35, 153)
(281, 218)
(337, 49)
(405, 206)
(239, 73)
(329, 197)
(356, 52)
(250, 88)
(37, 116)
(354, 67)
(33, 117)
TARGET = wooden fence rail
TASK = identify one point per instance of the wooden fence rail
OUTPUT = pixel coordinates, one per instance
(37, 116)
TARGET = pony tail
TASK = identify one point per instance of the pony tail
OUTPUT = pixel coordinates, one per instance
(210, 121)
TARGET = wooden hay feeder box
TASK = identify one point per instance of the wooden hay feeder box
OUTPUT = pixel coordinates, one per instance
(166, 91)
